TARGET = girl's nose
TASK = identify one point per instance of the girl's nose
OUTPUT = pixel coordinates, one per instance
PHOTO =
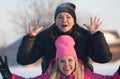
(66, 63)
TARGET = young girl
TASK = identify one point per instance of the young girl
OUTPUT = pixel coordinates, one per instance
(66, 64)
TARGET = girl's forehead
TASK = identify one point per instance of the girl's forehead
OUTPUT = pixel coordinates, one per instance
(66, 57)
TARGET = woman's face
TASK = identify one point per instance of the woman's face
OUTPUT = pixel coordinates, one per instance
(66, 65)
(64, 21)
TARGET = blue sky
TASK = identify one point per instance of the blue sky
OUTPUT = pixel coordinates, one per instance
(107, 10)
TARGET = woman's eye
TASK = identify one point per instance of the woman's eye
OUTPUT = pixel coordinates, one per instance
(59, 16)
(68, 17)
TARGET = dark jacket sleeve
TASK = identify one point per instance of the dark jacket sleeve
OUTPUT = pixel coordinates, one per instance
(28, 51)
(98, 49)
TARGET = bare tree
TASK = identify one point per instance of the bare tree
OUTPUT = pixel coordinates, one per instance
(33, 9)
(38, 9)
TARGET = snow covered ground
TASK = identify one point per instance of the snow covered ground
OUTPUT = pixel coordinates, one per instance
(106, 69)
(28, 71)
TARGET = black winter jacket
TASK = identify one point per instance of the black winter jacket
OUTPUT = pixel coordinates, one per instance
(87, 45)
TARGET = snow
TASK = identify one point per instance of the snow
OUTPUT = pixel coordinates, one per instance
(32, 71)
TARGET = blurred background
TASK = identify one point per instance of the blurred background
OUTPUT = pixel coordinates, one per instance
(15, 15)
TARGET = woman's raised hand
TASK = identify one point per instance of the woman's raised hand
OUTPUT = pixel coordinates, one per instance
(94, 25)
(34, 27)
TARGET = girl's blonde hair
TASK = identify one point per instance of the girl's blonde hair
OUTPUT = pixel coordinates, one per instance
(55, 73)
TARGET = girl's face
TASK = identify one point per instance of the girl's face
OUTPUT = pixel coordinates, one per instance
(66, 65)
(64, 21)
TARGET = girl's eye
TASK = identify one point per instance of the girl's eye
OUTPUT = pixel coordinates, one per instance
(61, 61)
(70, 60)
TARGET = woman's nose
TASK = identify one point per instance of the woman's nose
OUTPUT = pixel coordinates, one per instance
(64, 19)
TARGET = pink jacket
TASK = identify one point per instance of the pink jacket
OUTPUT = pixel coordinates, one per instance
(87, 74)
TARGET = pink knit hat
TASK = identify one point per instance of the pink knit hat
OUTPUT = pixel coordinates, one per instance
(65, 46)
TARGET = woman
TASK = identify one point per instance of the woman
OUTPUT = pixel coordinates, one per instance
(66, 65)
(89, 43)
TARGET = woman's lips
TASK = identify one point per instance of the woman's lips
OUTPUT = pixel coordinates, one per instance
(64, 25)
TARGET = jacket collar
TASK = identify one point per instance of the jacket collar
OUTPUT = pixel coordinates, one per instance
(72, 76)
